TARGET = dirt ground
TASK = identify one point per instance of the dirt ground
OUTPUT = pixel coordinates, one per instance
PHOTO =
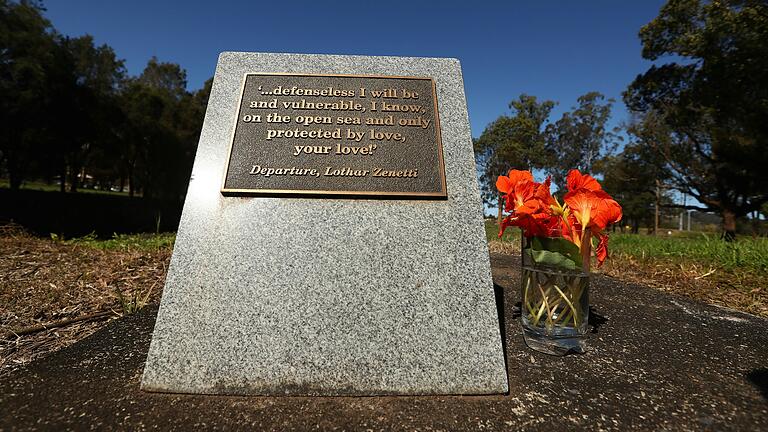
(46, 283)
(742, 291)
(655, 361)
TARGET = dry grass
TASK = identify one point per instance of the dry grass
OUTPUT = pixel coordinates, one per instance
(741, 289)
(502, 247)
(45, 281)
(745, 291)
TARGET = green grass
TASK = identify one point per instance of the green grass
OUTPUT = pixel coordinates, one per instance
(123, 241)
(746, 253)
(55, 187)
(511, 235)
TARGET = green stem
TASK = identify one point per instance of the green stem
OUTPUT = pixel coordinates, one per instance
(544, 298)
(570, 305)
(575, 298)
(543, 306)
(528, 305)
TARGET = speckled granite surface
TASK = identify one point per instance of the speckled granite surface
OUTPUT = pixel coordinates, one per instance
(329, 296)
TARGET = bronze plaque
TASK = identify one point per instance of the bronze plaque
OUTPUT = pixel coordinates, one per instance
(336, 136)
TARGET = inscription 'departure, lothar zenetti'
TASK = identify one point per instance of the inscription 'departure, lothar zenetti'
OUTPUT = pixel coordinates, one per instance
(336, 135)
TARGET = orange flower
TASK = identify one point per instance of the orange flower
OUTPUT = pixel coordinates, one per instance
(542, 192)
(593, 209)
(523, 198)
(601, 252)
(533, 225)
(586, 210)
(608, 212)
(506, 184)
(577, 180)
(522, 194)
(527, 201)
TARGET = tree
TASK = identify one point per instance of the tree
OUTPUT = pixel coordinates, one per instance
(67, 110)
(91, 109)
(580, 137)
(512, 141)
(711, 103)
(27, 58)
(633, 177)
(168, 78)
(163, 123)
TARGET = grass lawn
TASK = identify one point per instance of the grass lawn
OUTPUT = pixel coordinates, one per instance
(55, 187)
(745, 254)
(697, 265)
(123, 241)
(50, 280)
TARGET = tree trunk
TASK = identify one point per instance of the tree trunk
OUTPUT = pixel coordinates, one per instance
(130, 180)
(729, 225)
(74, 172)
(500, 217)
(15, 177)
(14, 180)
(63, 178)
(656, 208)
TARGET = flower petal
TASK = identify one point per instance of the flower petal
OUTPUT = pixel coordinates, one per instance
(516, 176)
(601, 252)
(607, 212)
(504, 185)
(593, 209)
(577, 180)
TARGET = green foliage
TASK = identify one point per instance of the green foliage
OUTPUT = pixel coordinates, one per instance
(555, 252)
(108, 129)
(705, 113)
(162, 126)
(580, 138)
(29, 60)
(630, 177)
(745, 254)
(512, 141)
(122, 241)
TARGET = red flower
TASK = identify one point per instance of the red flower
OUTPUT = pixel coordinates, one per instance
(577, 180)
(601, 252)
(505, 185)
(534, 225)
(528, 202)
(587, 209)
(523, 198)
(542, 192)
(592, 209)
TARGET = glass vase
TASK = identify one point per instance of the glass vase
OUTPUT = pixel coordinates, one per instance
(554, 309)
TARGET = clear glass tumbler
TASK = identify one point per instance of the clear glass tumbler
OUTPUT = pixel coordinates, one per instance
(555, 309)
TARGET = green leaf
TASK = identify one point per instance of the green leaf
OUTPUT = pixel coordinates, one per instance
(556, 252)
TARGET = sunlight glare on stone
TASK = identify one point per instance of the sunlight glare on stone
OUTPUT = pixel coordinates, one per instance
(204, 185)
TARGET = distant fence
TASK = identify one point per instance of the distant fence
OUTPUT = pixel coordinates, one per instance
(78, 214)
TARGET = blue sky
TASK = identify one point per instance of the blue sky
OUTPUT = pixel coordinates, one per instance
(554, 50)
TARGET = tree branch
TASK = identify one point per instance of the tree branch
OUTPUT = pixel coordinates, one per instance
(686, 206)
(55, 324)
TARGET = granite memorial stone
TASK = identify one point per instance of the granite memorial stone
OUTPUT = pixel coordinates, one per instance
(332, 240)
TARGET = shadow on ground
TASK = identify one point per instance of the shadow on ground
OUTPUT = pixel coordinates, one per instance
(656, 362)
